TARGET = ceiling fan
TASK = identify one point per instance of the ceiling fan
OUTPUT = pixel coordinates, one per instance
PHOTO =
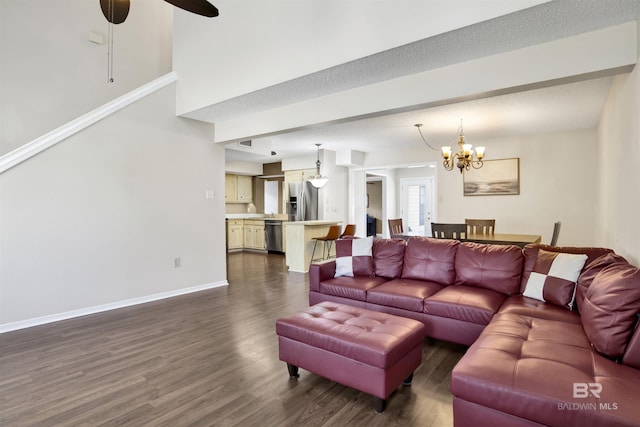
(116, 11)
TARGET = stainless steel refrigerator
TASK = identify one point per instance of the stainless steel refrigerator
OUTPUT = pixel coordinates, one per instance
(303, 201)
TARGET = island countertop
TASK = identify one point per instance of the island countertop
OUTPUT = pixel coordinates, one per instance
(299, 242)
(311, 222)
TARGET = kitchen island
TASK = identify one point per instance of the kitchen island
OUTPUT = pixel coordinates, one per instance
(299, 243)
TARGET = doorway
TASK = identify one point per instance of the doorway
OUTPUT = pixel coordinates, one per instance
(417, 205)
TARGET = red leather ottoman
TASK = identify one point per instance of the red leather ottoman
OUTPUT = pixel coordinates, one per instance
(370, 351)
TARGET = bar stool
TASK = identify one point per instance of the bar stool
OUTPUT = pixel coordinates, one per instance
(349, 231)
(332, 235)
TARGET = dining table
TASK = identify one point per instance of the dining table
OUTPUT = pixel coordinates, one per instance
(520, 240)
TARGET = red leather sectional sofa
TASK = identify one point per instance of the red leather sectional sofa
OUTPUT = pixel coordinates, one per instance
(530, 362)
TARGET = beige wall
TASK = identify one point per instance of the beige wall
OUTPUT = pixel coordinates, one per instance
(618, 152)
(99, 218)
(374, 192)
(552, 188)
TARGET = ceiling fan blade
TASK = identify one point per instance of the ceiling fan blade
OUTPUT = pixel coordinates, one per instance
(116, 11)
(199, 7)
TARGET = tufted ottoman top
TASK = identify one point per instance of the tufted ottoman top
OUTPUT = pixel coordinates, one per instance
(370, 337)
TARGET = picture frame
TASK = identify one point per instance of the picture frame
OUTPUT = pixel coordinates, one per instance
(495, 177)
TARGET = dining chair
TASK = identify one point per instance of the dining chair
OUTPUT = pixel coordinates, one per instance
(332, 235)
(349, 231)
(449, 231)
(480, 226)
(395, 227)
(556, 232)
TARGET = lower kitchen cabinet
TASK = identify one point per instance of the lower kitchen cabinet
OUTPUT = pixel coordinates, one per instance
(254, 234)
(235, 238)
(245, 234)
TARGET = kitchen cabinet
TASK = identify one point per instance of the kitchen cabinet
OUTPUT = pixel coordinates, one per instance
(235, 235)
(299, 175)
(253, 232)
(238, 189)
(245, 189)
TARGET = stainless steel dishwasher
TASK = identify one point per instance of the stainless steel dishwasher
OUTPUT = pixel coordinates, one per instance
(273, 235)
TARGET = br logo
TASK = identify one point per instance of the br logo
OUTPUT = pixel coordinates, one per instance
(584, 390)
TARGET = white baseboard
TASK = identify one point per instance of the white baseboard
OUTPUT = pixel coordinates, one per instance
(7, 327)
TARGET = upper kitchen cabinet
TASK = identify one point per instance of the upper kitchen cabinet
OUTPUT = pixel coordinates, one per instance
(245, 189)
(238, 189)
(298, 175)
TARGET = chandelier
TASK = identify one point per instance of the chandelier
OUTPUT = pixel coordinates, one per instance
(463, 159)
(318, 180)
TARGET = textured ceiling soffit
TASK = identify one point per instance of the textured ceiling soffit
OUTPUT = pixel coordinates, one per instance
(536, 25)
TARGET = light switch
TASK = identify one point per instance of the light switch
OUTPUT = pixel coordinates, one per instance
(208, 194)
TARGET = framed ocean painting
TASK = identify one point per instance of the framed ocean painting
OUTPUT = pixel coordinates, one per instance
(495, 177)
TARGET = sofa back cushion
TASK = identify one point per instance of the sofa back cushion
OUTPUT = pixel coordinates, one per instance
(354, 257)
(610, 308)
(496, 267)
(430, 259)
(632, 353)
(388, 257)
(591, 270)
(531, 255)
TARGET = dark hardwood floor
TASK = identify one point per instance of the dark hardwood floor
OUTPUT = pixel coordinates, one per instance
(204, 359)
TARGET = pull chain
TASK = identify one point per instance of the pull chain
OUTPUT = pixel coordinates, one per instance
(110, 44)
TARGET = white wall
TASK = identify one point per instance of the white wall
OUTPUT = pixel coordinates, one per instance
(333, 202)
(50, 73)
(619, 175)
(374, 197)
(552, 188)
(99, 218)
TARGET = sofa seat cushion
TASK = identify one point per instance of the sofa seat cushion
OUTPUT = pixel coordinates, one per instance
(527, 367)
(350, 287)
(407, 294)
(466, 303)
(519, 304)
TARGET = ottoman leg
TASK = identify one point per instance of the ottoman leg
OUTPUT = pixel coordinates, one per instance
(408, 381)
(379, 404)
(293, 370)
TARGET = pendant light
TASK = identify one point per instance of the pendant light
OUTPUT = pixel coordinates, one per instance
(318, 180)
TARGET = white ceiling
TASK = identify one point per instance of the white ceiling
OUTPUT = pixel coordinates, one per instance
(558, 108)
(540, 108)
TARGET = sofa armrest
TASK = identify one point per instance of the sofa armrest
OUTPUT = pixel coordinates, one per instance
(320, 272)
